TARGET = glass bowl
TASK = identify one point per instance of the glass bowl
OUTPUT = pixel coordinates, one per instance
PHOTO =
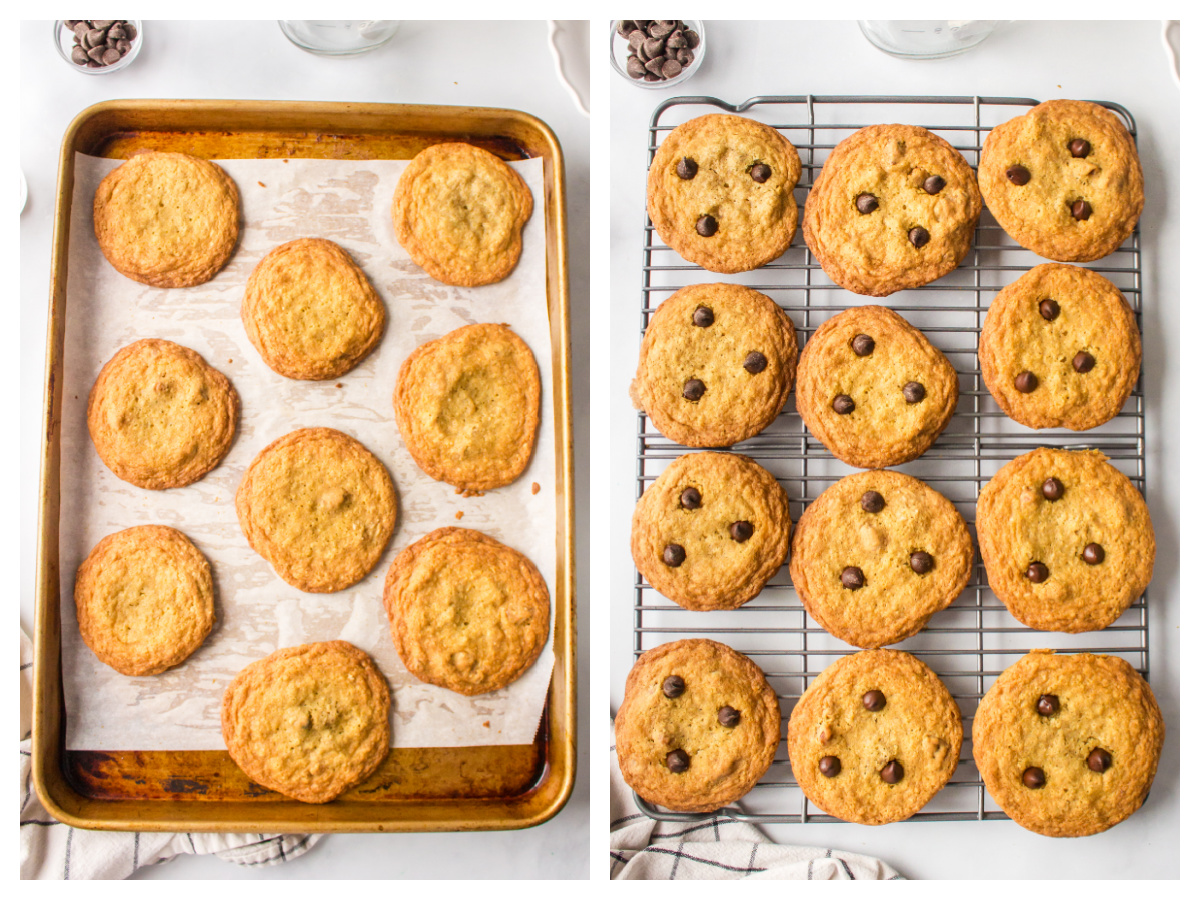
(64, 40)
(618, 51)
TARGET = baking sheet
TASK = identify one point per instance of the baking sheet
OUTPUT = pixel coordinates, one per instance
(348, 202)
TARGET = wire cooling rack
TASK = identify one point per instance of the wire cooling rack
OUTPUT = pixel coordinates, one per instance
(975, 639)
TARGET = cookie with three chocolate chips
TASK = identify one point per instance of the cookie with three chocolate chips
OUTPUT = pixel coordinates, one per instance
(698, 726)
(1068, 745)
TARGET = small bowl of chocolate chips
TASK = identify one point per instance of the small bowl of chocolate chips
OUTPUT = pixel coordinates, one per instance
(98, 46)
(656, 53)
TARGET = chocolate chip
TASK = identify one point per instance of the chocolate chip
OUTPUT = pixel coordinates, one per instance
(933, 184)
(1099, 760)
(1026, 382)
(1018, 175)
(96, 54)
(674, 555)
(693, 389)
(692, 38)
(1052, 489)
(728, 716)
(706, 226)
(1081, 210)
(654, 64)
(1049, 310)
(852, 578)
(914, 392)
(874, 700)
(918, 237)
(1079, 148)
(626, 27)
(1083, 362)
(830, 766)
(1093, 554)
(660, 28)
(79, 55)
(872, 502)
(866, 203)
(685, 57)
(111, 55)
(1047, 705)
(843, 405)
(755, 362)
(690, 498)
(673, 686)
(1037, 572)
(636, 69)
(703, 317)
(654, 46)
(863, 345)
(1033, 777)
(741, 531)
(921, 562)
(678, 761)
(761, 172)
(892, 773)
(677, 41)
(671, 68)
(687, 168)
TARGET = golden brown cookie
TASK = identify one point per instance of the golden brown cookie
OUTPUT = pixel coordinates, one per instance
(1064, 180)
(1068, 745)
(874, 737)
(319, 507)
(467, 406)
(166, 219)
(467, 612)
(459, 211)
(1066, 539)
(711, 530)
(160, 416)
(872, 389)
(877, 554)
(716, 365)
(144, 599)
(1060, 348)
(310, 312)
(310, 722)
(720, 192)
(698, 726)
(894, 207)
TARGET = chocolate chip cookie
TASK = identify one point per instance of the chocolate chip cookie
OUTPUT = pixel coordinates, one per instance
(698, 726)
(716, 365)
(872, 389)
(877, 554)
(1066, 539)
(1064, 180)
(711, 530)
(894, 207)
(166, 219)
(720, 192)
(1068, 745)
(874, 737)
(1060, 348)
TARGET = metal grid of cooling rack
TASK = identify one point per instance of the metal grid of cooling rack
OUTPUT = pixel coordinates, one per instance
(975, 639)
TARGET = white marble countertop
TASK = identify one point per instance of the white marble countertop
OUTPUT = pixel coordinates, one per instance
(500, 64)
(1119, 61)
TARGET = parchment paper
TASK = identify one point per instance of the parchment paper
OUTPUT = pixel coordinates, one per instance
(348, 202)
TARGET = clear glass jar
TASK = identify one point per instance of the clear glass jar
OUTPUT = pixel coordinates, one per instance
(339, 37)
(926, 38)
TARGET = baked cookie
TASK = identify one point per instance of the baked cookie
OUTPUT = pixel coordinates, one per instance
(319, 507)
(1060, 348)
(877, 554)
(698, 726)
(467, 407)
(1064, 180)
(144, 599)
(894, 207)
(874, 737)
(459, 211)
(166, 219)
(720, 192)
(310, 312)
(711, 530)
(716, 365)
(872, 389)
(467, 612)
(310, 722)
(1066, 540)
(1068, 745)
(160, 416)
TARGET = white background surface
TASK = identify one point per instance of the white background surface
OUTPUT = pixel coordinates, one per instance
(501, 64)
(1118, 61)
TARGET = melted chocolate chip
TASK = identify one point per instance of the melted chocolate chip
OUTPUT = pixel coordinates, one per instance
(1099, 760)
(918, 237)
(843, 405)
(1026, 382)
(1079, 148)
(1047, 705)
(1093, 554)
(866, 203)
(673, 686)
(1034, 778)
(1037, 572)
(755, 362)
(853, 578)
(693, 389)
(702, 317)
(706, 226)
(674, 555)
(690, 498)
(1052, 489)
(863, 345)
(921, 562)
(678, 761)
(1018, 175)
(741, 531)
(1083, 362)
(728, 716)
(761, 172)
(686, 168)
(874, 700)
(934, 184)
(914, 392)
(1081, 210)
(892, 773)
(872, 502)
(830, 766)
(1049, 310)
